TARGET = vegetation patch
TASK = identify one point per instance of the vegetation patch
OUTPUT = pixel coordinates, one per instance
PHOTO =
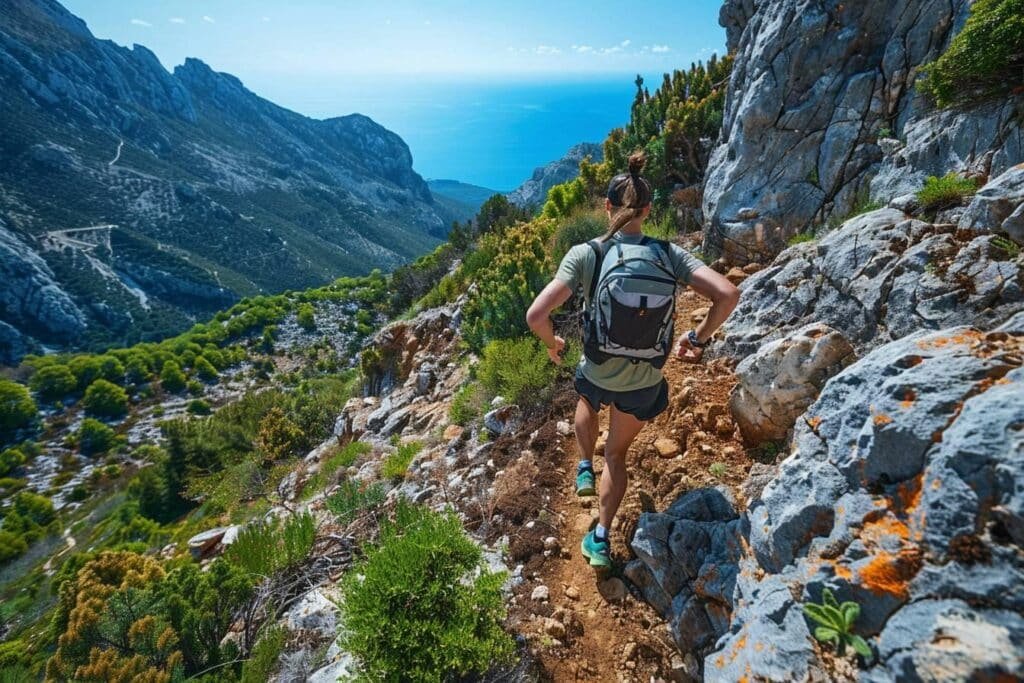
(945, 192)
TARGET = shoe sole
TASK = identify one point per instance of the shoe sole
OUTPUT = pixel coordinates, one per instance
(595, 559)
(586, 491)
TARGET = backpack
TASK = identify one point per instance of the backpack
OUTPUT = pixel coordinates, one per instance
(631, 307)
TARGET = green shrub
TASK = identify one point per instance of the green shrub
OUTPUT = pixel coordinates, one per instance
(198, 406)
(278, 436)
(354, 499)
(579, 228)
(17, 409)
(467, 405)
(396, 464)
(195, 387)
(105, 399)
(86, 370)
(800, 238)
(1008, 246)
(520, 370)
(11, 459)
(986, 59)
(262, 661)
(53, 382)
(12, 545)
(205, 370)
(305, 318)
(422, 605)
(266, 548)
(95, 438)
(942, 193)
(171, 377)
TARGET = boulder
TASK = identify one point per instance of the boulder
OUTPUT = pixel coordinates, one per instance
(998, 206)
(501, 420)
(779, 381)
(313, 612)
(204, 544)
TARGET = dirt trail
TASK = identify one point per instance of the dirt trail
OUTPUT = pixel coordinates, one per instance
(609, 636)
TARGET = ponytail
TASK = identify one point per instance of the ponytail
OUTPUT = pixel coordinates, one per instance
(629, 194)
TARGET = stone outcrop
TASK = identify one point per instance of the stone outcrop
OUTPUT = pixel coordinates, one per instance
(920, 522)
(879, 277)
(779, 381)
(534, 192)
(998, 207)
(813, 89)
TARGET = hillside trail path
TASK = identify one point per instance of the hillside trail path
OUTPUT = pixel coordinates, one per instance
(610, 634)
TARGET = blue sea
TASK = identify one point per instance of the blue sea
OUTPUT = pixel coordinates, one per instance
(491, 133)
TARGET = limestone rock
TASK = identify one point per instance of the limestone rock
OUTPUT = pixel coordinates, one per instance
(779, 381)
(501, 420)
(534, 191)
(998, 206)
(313, 612)
(666, 447)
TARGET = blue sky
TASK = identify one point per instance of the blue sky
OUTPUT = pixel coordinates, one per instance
(453, 38)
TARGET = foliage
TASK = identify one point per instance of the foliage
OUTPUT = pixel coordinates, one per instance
(942, 193)
(422, 605)
(467, 405)
(520, 370)
(171, 377)
(578, 228)
(28, 518)
(11, 459)
(718, 469)
(105, 399)
(354, 499)
(278, 436)
(304, 317)
(1011, 248)
(205, 369)
(508, 283)
(17, 409)
(800, 238)
(53, 382)
(985, 59)
(265, 548)
(395, 465)
(263, 660)
(198, 406)
(344, 456)
(835, 623)
(94, 437)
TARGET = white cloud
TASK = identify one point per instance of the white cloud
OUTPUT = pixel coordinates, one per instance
(661, 48)
(625, 43)
(610, 50)
(583, 49)
(547, 50)
(140, 22)
(177, 20)
(209, 19)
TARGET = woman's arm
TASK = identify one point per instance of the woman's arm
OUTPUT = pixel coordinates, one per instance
(723, 295)
(539, 317)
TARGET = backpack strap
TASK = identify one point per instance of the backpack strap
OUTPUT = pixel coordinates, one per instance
(600, 249)
(663, 247)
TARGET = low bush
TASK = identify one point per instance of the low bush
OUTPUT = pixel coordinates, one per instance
(105, 399)
(17, 409)
(198, 406)
(205, 370)
(985, 59)
(520, 370)
(396, 464)
(266, 548)
(278, 436)
(579, 228)
(10, 460)
(355, 499)
(263, 660)
(171, 377)
(467, 405)
(945, 192)
(422, 605)
(94, 437)
(305, 318)
(53, 382)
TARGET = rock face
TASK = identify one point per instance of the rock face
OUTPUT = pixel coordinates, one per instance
(813, 89)
(877, 278)
(213, 192)
(903, 494)
(779, 381)
(534, 192)
(999, 206)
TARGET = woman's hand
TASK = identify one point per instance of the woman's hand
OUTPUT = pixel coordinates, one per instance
(555, 352)
(687, 352)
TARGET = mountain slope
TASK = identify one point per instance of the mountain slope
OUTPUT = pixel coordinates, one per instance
(462, 200)
(208, 191)
(534, 191)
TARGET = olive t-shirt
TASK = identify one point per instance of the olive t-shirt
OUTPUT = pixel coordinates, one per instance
(619, 374)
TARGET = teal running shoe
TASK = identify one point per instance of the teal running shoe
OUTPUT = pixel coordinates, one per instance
(585, 480)
(598, 552)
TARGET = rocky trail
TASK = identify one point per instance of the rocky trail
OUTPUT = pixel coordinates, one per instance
(589, 625)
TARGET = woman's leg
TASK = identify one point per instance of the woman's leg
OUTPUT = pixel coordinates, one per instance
(622, 429)
(587, 428)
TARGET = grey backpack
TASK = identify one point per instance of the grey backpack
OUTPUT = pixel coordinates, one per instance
(631, 307)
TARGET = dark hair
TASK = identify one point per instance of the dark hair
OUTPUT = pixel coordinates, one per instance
(629, 194)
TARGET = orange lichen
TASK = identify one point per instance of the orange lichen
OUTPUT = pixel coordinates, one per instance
(813, 422)
(882, 419)
(875, 530)
(909, 493)
(888, 574)
(719, 662)
(758, 646)
(909, 396)
(740, 645)
(843, 572)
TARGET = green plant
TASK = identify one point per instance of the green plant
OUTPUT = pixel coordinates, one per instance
(395, 465)
(801, 238)
(105, 399)
(520, 370)
(985, 59)
(578, 228)
(942, 193)
(205, 370)
(198, 406)
(94, 437)
(354, 499)
(305, 318)
(263, 660)
(171, 377)
(278, 436)
(266, 548)
(718, 469)
(422, 605)
(467, 405)
(1011, 248)
(17, 409)
(835, 623)
(53, 382)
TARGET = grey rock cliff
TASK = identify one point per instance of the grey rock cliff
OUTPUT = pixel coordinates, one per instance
(534, 192)
(814, 87)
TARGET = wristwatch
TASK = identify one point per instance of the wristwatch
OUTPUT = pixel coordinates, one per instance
(692, 338)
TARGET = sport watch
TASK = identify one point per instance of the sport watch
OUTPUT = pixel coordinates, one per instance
(692, 338)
